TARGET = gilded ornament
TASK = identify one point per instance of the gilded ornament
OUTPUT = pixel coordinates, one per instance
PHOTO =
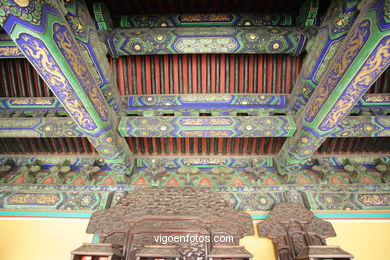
(329, 199)
(33, 199)
(305, 140)
(42, 60)
(340, 22)
(68, 48)
(79, 26)
(204, 161)
(203, 133)
(353, 45)
(206, 121)
(10, 51)
(377, 62)
(374, 199)
(205, 18)
(31, 101)
(376, 98)
(22, 3)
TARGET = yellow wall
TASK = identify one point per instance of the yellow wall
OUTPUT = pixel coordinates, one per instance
(49, 238)
(366, 240)
(41, 238)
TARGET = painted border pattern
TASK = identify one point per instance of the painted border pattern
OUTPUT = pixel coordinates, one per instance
(39, 127)
(175, 101)
(248, 126)
(8, 49)
(334, 28)
(317, 197)
(180, 20)
(142, 41)
(370, 126)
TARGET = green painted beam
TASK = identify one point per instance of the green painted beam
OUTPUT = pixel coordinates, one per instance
(232, 99)
(93, 49)
(359, 61)
(180, 40)
(362, 201)
(337, 22)
(380, 99)
(363, 126)
(30, 103)
(308, 13)
(39, 127)
(201, 161)
(244, 101)
(201, 20)
(102, 16)
(192, 126)
(215, 126)
(42, 33)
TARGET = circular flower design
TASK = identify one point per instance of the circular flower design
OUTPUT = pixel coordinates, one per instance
(86, 200)
(275, 46)
(160, 38)
(106, 150)
(264, 202)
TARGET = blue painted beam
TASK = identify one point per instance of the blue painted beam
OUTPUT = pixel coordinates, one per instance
(213, 126)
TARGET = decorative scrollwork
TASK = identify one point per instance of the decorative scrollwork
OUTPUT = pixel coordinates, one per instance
(38, 54)
(354, 44)
(68, 48)
(377, 62)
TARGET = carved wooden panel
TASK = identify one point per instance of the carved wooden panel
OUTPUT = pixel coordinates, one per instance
(292, 227)
(145, 214)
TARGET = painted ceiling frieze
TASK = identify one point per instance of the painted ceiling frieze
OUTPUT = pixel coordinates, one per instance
(206, 127)
(8, 49)
(207, 40)
(39, 127)
(198, 20)
(374, 198)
